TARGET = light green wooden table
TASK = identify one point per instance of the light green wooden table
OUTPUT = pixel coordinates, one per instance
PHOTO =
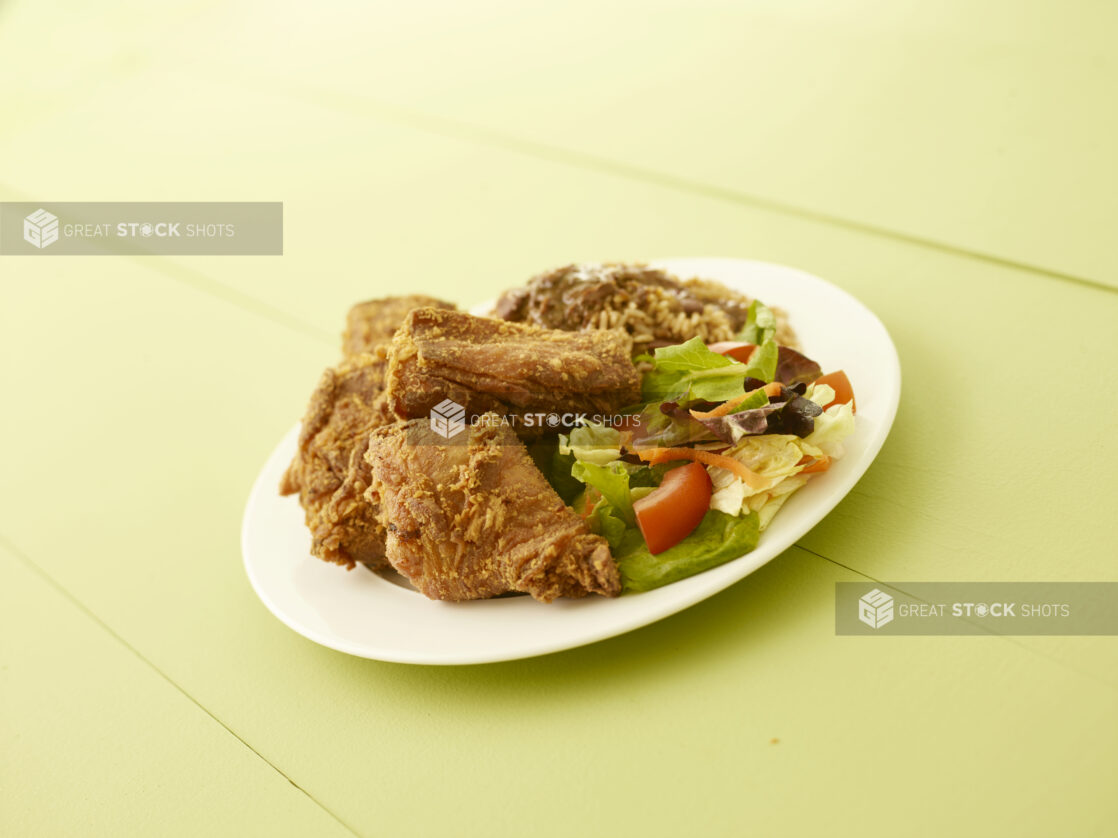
(952, 164)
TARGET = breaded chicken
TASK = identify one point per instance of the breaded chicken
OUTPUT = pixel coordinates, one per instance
(485, 364)
(374, 322)
(329, 470)
(473, 518)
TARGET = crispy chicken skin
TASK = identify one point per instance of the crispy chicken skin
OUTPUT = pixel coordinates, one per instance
(485, 364)
(329, 470)
(374, 322)
(475, 518)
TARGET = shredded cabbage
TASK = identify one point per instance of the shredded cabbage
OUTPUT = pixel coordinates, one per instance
(777, 457)
(832, 426)
(592, 443)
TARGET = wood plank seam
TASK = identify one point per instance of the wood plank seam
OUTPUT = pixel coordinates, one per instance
(8, 546)
(458, 130)
(1010, 638)
(6, 543)
(213, 287)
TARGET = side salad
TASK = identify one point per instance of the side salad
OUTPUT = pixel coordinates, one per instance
(725, 434)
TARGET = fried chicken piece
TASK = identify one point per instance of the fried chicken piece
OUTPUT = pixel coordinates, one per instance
(475, 518)
(329, 470)
(484, 364)
(374, 322)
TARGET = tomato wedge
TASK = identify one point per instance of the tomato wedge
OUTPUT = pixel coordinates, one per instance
(733, 349)
(844, 392)
(671, 512)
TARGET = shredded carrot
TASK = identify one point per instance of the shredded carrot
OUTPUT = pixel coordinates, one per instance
(771, 390)
(652, 456)
(723, 408)
(815, 465)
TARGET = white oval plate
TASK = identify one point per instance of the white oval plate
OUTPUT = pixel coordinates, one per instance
(363, 614)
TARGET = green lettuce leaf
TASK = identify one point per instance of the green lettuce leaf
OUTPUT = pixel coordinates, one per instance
(756, 399)
(612, 481)
(674, 368)
(604, 521)
(763, 363)
(718, 538)
(589, 458)
(760, 324)
(719, 388)
(692, 371)
(689, 356)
